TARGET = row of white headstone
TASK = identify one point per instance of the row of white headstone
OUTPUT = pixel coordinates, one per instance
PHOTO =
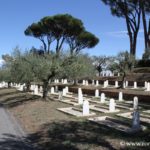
(36, 90)
(63, 81)
(120, 96)
(3, 84)
(112, 105)
(85, 102)
(125, 84)
(106, 83)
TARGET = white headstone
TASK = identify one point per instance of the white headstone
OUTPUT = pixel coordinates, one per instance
(97, 83)
(57, 81)
(60, 96)
(124, 84)
(52, 90)
(93, 82)
(65, 81)
(96, 93)
(135, 85)
(148, 86)
(86, 108)
(36, 90)
(21, 87)
(83, 82)
(105, 83)
(67, 90)
(112, 105)
(41, 89)
(86, 82)
(116, 83)
(102, 98)
(135, 103)
(62, 81)
(56, 88)
(120, 96)
(145, 84)
(64, 92)
(80, 96)
(32, 87)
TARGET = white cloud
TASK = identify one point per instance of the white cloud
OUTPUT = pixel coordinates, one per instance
(122, 34)
(118, 34)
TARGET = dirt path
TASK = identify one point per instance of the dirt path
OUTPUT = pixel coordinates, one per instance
(12, 137)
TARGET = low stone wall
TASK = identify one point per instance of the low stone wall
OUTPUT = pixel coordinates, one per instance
(144, 97)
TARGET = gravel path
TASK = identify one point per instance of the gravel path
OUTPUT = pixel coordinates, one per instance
(12, 137)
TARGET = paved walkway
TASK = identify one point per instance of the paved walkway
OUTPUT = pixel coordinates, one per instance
(12, 137)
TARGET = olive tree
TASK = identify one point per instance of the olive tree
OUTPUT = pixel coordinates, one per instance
(78, 67)
(5, 69)
(123, 63)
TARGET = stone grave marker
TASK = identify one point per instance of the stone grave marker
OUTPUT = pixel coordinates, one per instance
(148, 86)
(112, 105)
(135, 85)
(93, 83)
(96, 93)
(116, 84)
(60, 96)
(120, 96)
(97, 83)
(102, 98)
(80, 96)
(67, 89)
(145, 84)
(83, 82)
(56, 88)
(86, 82)
(135, 103)
(86, 107)
(36, 90)
(64, 92)
(52, 90)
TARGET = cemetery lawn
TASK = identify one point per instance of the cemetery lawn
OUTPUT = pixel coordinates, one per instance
(50, 129)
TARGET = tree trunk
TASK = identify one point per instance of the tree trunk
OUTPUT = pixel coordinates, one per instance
(45, 88)
(131, 46)
(123, 80)
(145, 27)
(75, 82)
(9, 86)
(129, 34)
(28, 86)
(134, 44)
(48, 49)
(99, 73)
(149, 35)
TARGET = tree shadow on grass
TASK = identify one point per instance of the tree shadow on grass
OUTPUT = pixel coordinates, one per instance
(68, 135)
(13, 142)
(16, 99)
(81, 135)
(71, 135)
(9, 93)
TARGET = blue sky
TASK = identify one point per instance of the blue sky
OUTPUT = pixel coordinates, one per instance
(16, 15)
